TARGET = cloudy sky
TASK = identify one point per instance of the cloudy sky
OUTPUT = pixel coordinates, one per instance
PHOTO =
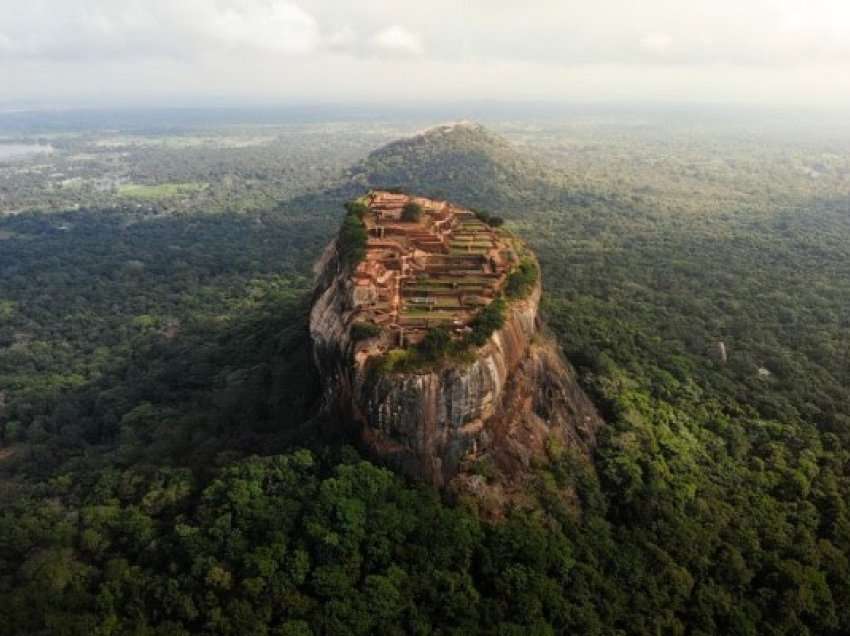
(97, 52)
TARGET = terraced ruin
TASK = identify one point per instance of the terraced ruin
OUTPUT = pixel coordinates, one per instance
(427, 338)
(427, 263)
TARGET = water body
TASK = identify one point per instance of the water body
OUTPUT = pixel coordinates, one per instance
(19, 151)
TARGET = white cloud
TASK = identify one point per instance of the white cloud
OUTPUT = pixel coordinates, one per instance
(656, 42)
(397, 39)
(85, 29)
(342, 39)
(275, 26)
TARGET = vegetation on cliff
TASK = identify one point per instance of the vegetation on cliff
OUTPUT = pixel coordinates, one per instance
(363, 330)
(441, 347)
(352, 239)
(490, 219)
(486, 321)
(523, 279)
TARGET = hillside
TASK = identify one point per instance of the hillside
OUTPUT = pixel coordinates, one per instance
(463, 161)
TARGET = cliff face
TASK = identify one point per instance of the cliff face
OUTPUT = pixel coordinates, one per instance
(516, 398)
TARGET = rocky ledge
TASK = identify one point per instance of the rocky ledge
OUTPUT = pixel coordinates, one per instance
(509, 403)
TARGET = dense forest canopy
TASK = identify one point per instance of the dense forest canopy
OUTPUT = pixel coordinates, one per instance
(163, 469)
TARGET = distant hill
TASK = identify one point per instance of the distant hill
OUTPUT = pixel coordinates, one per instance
(461, 161)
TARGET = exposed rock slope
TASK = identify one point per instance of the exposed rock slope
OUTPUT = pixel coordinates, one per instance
(515, 399)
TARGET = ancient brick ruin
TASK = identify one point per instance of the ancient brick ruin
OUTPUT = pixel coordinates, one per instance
(437, 270)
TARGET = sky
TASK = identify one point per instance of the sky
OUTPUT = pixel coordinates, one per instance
(190, 52)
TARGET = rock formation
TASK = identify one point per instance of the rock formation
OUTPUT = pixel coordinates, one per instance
(506, 401)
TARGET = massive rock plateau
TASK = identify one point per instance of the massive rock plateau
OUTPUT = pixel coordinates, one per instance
(509, 404)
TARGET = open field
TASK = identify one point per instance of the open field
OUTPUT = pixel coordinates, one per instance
(161, 191)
